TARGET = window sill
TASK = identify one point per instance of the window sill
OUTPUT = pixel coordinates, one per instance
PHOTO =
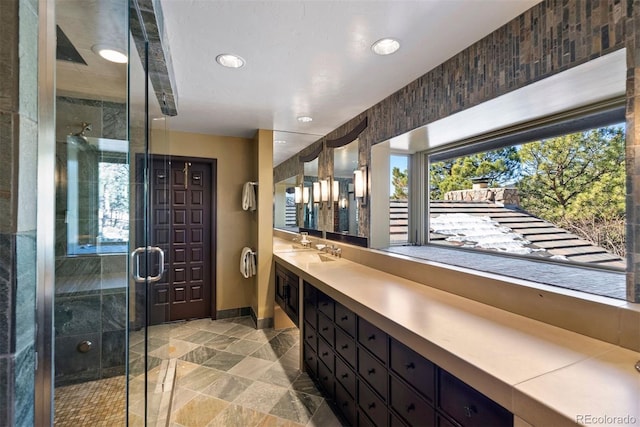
(594, 281)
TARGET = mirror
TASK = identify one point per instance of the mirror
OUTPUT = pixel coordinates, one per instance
(345, 208)
(310, 209)
(284, 206)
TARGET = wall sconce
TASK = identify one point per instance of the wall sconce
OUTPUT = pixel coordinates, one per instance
(360, 184)
(305, 195)
(336, 191)
(316, 192)
(344, 203)
(324, 190)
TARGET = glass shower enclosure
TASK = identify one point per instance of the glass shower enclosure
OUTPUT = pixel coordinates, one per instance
(108, 120)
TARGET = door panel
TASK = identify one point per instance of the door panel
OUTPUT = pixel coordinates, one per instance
(185, 198)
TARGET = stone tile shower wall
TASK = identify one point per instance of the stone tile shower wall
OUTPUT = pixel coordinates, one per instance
(551, 37)
(18, 181)
(90, 297)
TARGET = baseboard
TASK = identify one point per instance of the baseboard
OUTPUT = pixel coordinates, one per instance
(264, 323)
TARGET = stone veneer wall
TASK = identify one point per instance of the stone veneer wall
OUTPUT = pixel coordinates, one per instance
(551, 37)
(504, 196)
(18, 181)
(90, 290)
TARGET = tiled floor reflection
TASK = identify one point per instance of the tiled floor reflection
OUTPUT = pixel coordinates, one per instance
(235, 375)
(94, 403)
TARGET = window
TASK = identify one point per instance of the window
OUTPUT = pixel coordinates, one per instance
(97, 215)
(399, 200)
(560, 198)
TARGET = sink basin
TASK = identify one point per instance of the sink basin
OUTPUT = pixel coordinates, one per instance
(325, 258)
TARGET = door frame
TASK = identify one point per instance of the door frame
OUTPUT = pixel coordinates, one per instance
(140, 215)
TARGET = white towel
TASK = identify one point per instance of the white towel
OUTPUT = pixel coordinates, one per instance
(247, 263)
(248, 197)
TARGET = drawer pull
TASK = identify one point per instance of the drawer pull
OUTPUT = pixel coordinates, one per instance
(469, 411)
(411, 407)
(309, 337)
(410, 366)
(345, 375)
(310, 358)
(325, 378)
(371, 371)
(325, 353)
(371, 337)
(345, 403)
(345, 346)
(372, 405)
(326, 328)
(344, 318)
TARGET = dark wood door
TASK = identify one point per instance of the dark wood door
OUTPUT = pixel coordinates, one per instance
(181, 192)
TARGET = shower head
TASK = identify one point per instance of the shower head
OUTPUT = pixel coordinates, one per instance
(85, 127)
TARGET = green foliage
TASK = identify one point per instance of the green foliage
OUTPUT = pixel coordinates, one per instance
(575, 176)
(499, 166)
(400, 181)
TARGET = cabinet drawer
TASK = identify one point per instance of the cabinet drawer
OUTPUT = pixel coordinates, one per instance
(346, 404)
(310, 337)
(443, 422)
(325, 305)
(345, 319)
(373, 339)
(310, 294)
(310, 313)
(371, 404)
(346, 376)
(346, 347)
(325, 354)
(373, 372)
(413, 368)
(407, 403)
(327, 380)
(311, 361)
(467, 406)
(326, 328)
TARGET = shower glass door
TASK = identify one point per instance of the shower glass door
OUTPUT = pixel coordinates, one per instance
(107, 361)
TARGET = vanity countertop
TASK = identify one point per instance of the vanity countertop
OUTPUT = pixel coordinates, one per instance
(545, 375)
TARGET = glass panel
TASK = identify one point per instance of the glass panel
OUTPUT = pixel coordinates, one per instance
(92, 214)
(345, 206)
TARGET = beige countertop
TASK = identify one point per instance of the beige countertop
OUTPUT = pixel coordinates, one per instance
(545, 375)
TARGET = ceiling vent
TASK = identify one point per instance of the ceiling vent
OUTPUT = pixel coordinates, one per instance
(65, 51)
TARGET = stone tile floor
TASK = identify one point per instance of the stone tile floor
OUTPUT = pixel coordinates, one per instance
(228, 374)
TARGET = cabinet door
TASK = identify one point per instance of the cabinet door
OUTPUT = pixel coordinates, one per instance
(281, 287)
(410, 405)
(413, 368)
(292, 301)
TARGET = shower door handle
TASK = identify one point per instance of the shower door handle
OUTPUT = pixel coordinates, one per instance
(135, 264)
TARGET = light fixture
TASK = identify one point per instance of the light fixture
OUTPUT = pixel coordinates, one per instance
(324, 190)
(297, 195)
(316, 192)
(230, 60)
(336, 190)
(280, 141)
(110, 53)
(343, 202)
(305, 195)
(385, 46)
(305, 119)
(360, 184)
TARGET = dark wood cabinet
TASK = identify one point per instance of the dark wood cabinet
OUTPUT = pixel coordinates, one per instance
(371, 379)
(287, 292)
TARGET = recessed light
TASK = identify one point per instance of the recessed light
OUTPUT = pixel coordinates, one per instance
(110, 53)
(280, 141)
(385, 46)
(305, 119)
(230, 60)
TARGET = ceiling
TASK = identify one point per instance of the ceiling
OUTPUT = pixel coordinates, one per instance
(309, 58)
(304, 57)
